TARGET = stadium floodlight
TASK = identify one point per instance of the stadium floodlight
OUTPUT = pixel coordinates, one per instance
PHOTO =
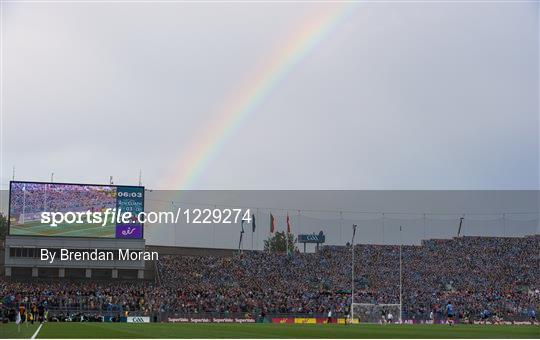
(352, 272)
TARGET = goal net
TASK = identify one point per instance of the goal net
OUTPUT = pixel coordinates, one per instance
(376, 313)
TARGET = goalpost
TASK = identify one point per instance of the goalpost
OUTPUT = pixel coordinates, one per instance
(370, 311)
(374, 313)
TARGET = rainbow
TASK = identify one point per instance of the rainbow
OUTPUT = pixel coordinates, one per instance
(228, 119)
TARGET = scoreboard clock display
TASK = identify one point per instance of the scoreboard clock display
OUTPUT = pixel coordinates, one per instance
(129, 199)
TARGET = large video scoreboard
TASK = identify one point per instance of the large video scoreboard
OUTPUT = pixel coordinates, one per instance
(28, 201)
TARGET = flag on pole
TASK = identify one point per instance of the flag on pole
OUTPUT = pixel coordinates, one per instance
(288, 224)
(253, 223)
(272, 223)
(241, 236)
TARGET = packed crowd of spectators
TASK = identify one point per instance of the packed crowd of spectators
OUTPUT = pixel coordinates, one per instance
(105, 295)
(501, 275)
(34, 198)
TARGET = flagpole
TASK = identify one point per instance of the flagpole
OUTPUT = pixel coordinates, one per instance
(241, 236)
(400, 275)
(214, 232)
(287, 239)
(352, 274)
(289, 227)
(240, 244)
(270, 234)
(24, 203)
(252, 228)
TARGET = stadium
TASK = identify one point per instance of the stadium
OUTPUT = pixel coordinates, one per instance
(269, 169)
(481, 286)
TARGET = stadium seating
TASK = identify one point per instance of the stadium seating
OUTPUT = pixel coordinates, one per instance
(501, 275)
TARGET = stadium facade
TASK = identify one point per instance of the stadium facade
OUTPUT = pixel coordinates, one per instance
(22, 258)
(225, 285)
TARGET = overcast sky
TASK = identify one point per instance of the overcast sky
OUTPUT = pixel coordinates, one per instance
(486, 213)
(394, 96)
(411, 95)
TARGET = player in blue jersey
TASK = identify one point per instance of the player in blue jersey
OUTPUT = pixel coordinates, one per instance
(532, 315)
(450, 313)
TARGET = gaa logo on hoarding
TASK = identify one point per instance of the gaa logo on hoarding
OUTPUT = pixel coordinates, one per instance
(138, 319)
(312, 238)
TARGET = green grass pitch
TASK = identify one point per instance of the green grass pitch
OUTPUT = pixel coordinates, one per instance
(65, 229)
(171, 330)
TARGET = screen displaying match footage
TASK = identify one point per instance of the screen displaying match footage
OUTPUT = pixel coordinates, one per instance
(28, 200)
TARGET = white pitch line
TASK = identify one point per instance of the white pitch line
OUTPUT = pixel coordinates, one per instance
(37, 331)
